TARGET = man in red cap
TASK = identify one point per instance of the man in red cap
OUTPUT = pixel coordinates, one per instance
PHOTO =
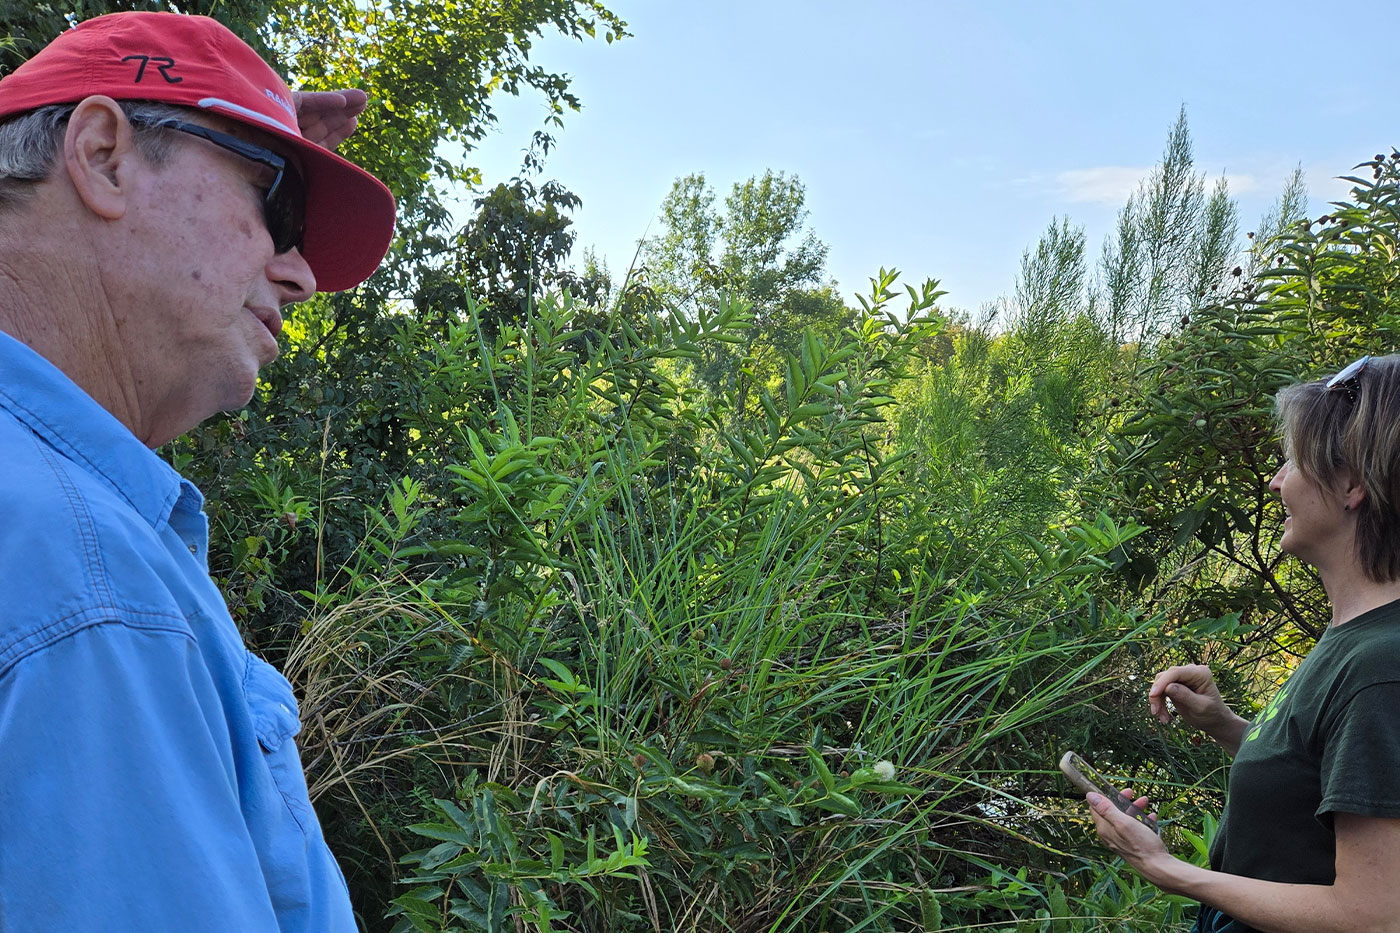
(159, 206)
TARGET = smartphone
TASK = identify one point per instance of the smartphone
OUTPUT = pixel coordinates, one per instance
(1083, 776)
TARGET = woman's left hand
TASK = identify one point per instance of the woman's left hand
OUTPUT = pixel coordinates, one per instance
(1139, 845)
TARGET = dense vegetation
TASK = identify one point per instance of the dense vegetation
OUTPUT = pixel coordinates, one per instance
(701, 601)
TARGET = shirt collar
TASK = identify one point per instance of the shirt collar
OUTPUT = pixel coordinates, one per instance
(51, 405)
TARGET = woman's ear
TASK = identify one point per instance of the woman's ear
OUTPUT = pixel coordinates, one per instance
(1353, 493)
(99, 154)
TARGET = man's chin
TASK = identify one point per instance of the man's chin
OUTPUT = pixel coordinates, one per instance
(238, 396)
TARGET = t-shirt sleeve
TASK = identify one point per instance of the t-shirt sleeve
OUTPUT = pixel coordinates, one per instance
(119, 805)
(1361, 755)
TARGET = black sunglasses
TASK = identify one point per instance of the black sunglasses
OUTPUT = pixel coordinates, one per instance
(1349, 379)
(284, 203)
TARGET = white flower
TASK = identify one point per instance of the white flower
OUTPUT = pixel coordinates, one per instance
(884, 770)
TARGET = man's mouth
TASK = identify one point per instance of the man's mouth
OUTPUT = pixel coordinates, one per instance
(269, 318)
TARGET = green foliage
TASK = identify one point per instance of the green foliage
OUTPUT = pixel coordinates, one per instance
(479, 858)
(758, 249)
(1171, 248)
(1051, 288)
(1003, 427)
(430, 70)
(1289, 208)
(657, 670)
(1192, 458)
(514, 249)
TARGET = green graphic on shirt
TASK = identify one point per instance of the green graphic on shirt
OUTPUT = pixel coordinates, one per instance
(1269, 712)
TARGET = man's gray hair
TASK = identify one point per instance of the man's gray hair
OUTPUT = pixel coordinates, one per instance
(29, 143)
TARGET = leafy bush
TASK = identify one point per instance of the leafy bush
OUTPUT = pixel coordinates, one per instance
(626, 665)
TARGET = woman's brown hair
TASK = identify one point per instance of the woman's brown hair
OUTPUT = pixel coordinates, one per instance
(1350, 433)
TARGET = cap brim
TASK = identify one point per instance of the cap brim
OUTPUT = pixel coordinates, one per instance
(349, 218)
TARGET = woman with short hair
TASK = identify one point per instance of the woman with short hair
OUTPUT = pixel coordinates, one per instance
(1310, 837)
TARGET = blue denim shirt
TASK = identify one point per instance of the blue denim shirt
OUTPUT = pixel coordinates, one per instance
(149, 778)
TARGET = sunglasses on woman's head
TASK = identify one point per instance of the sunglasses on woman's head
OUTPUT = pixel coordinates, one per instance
(1349, 379)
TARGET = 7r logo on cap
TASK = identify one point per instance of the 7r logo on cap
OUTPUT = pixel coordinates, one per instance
(164, 63)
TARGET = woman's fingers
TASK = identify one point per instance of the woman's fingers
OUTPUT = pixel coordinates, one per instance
(1126, 836)
(1138, 803)
(1191, 687)
(1157, 693)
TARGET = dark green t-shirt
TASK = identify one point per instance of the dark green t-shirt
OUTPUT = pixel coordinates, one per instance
(1328, 742)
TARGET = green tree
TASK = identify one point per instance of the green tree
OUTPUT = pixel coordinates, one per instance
(1052, 288)
(1289, 208)
(514, 248)
(757, 248)
(1001, 414)
(431, 70)
(1171, 248)
(681, 260)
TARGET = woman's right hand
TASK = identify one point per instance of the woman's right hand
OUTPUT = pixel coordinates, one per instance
(1192, 691)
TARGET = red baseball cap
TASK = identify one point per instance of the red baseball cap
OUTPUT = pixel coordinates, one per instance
(196, 62)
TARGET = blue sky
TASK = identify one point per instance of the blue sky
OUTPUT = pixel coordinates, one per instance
(940, 138)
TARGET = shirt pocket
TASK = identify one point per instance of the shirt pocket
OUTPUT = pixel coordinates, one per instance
(276, 721)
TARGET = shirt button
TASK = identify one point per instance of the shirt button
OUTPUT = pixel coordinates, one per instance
(194, 549)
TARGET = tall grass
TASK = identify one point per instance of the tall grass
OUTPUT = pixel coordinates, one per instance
(636, 660)
(792, 759)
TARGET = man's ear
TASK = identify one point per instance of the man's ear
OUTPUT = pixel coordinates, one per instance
(99, 155)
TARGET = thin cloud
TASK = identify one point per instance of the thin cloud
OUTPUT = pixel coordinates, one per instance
(1106, 184)
(1241, 184)
(1112, 184)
